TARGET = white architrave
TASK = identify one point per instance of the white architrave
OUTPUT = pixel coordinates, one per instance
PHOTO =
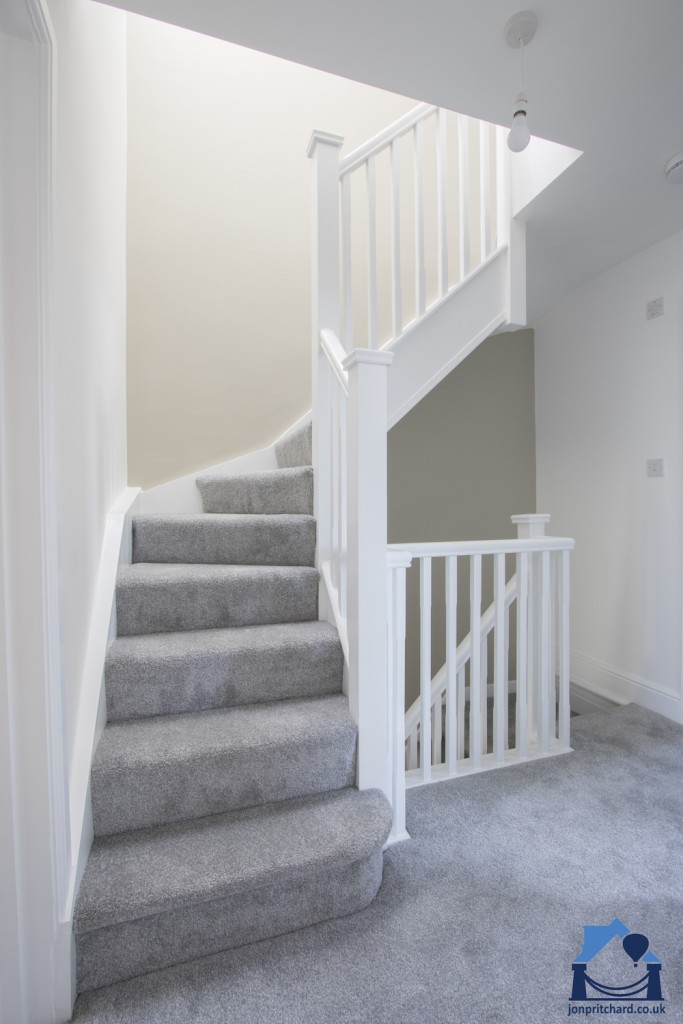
(35, 928)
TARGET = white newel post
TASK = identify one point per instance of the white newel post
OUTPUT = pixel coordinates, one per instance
(397, 564)
(529, 526)
(323, 150)
(367, 563)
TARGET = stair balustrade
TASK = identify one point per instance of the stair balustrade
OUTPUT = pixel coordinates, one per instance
(445, 231)
(433, 165)
(448, 730)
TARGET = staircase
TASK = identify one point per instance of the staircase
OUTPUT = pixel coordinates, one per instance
(223, 794)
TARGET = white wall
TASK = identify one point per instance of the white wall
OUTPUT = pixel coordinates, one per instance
(62, 452)
(609, 395)
(90, 306)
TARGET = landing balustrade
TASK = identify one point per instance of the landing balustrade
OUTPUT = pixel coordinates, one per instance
(485, 707)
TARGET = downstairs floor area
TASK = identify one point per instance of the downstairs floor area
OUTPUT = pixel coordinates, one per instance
(482, 913)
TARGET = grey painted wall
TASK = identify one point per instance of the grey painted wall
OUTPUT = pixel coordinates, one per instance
(460, 464)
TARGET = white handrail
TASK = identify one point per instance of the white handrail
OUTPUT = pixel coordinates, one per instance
(463, 654)
(393, 131)
(515, 546)
(332, 347)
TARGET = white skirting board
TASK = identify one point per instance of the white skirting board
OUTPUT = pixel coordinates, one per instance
(604, 686)
(585, 702)
(116, 551)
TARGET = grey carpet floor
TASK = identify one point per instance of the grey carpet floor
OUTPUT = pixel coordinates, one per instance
(481, 914)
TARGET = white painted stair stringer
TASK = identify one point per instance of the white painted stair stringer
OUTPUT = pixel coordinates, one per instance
(454, 326)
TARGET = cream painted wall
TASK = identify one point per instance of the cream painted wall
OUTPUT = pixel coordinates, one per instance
(460, 464)
(609, 396)
(219, 241)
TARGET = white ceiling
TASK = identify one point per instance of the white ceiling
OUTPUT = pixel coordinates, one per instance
(603, 76)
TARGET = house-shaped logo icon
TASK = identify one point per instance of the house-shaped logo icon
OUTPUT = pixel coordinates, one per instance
(595, 938)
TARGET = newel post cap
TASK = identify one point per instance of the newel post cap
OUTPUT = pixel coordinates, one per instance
(531, 524)
(367, 356)
(326, 138)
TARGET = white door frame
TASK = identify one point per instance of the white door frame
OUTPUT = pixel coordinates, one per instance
(35, 928)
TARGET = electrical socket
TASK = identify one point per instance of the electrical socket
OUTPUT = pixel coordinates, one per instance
(656, 467)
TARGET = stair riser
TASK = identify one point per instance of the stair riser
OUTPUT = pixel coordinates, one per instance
(265, 542)
(137, 688)
(126, 797)
(124, 951)
(280, 494)
(162, 605)
(295, 449)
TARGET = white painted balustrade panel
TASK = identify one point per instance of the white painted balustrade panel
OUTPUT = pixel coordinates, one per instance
(414, 219)
(447, 728)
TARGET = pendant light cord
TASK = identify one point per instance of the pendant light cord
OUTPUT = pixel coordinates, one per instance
(521, 62)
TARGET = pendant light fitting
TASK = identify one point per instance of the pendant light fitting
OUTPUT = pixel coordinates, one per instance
(520, 29)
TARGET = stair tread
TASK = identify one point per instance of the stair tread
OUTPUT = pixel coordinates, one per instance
(225, 538)
(268, 491)
(194, 670)
(143, 873)
(169, 739)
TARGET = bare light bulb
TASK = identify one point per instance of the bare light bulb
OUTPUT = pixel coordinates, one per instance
(519, 136)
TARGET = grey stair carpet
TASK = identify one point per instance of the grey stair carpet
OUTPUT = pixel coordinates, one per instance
(295, 448)
(165, 769)
(482, 913)
(169, 673)
(162, 598)
(270, 492)
(168, 895)
(222, 787)
(225, 539)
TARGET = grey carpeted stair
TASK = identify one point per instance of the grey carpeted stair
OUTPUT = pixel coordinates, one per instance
(294, 449)
(165, 769)
(166, 598)
(163, 896)
(225, 539)
(270, 492)
(169, 673)
(222, 786)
